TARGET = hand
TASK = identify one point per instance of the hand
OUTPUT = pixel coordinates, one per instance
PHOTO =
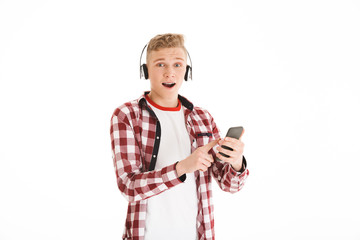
(200, 159)
(235, 156)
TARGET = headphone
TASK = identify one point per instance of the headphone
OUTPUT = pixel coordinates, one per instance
(145, 73)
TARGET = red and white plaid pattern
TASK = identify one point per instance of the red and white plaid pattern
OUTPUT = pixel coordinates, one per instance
(133, 134)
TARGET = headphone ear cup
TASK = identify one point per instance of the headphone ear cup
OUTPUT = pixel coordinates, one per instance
(187, 73)
(145, 71)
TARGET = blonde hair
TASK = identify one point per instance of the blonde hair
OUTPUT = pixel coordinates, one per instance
(168, 40)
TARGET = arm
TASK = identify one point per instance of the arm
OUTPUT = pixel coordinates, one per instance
(134, 184)
(227, 177)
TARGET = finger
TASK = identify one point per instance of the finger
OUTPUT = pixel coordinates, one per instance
(210, 145)
(231, 145)
(228, 152)
(209, 158)
(227, 145)
(206, 163)
(221, 157)
(205, 156)
(203, 168)
(231, 140)
(242, 133)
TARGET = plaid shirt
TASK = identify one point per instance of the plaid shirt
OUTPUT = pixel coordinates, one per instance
(135, 139)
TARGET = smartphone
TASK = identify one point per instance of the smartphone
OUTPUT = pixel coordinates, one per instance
(234, 132)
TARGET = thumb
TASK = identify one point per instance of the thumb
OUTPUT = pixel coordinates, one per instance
(210, 145)
(242, 133)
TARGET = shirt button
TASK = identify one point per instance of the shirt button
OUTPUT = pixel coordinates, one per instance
(157, 137)
(154, 155)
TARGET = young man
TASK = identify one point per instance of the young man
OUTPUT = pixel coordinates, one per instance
(164, 152)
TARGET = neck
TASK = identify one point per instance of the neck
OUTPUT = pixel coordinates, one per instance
(164, 102)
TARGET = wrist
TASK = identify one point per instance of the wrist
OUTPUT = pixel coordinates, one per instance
(237, 166)
(179, 169)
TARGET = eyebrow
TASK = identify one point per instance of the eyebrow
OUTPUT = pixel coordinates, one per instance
(162, 59)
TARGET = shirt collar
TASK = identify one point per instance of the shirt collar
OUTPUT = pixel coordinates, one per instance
(185, 102)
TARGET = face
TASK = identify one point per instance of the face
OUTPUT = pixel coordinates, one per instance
(166, 68)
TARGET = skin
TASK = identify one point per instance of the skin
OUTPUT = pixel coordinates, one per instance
(236, 155)
(168, 65)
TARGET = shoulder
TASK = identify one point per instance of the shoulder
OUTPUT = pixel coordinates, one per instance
(126, 111)
(202, 113)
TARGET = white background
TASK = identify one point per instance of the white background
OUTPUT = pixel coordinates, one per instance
(288, 71)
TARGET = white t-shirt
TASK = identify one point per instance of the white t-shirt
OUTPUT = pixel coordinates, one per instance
(172, 213)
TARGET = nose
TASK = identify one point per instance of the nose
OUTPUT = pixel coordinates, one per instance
(169, 73)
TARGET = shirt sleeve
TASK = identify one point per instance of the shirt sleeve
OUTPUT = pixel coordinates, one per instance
(135, 183)
(228, 179)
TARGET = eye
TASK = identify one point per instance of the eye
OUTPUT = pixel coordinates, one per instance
(177, 65)
(160, 65)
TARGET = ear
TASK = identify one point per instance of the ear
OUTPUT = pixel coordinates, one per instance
(187, 73)
(144, 70)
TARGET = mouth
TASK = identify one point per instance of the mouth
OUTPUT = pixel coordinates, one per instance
(168, 85)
